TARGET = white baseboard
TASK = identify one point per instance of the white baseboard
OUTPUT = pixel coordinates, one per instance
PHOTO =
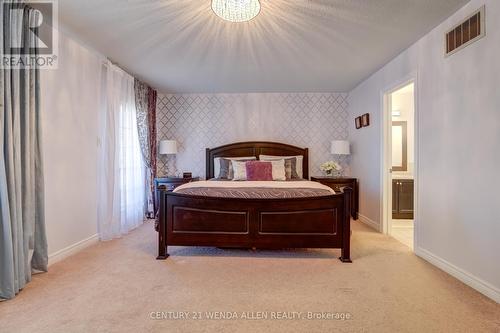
(369, 222)
(72, 249)
(472, 281)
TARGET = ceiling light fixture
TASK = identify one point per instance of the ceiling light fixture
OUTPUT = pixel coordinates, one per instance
(236, 10)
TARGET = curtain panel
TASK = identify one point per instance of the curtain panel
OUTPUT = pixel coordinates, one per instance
(145, 101)
(23, 243)
(152, 135)
(141, 103)
(121, 164)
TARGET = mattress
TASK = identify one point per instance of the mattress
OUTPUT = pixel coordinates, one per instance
(255, 189)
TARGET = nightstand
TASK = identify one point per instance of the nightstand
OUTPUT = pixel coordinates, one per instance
(336, 183)
(169, 184)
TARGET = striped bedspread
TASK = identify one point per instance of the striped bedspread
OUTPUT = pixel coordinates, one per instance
(255, 190)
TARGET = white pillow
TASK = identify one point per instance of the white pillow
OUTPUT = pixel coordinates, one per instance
(217, 163)
(298, 166)
(278, 170)
(239, 170)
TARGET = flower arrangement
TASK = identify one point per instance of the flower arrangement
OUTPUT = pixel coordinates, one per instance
(329, 167)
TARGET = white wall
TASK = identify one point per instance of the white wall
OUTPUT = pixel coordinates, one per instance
(458, 144)
(70, 97)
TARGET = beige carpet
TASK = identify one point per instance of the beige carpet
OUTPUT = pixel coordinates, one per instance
(114, 287)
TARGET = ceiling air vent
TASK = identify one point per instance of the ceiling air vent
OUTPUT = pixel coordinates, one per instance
(466, 33)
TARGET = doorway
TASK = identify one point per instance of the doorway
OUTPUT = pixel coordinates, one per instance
(399, 169)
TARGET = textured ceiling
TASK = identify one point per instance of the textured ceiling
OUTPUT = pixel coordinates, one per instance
(291, 46)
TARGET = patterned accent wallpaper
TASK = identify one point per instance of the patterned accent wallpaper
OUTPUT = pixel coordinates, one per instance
(199, 121)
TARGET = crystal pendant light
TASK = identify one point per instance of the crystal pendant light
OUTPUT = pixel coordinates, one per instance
(236, 10)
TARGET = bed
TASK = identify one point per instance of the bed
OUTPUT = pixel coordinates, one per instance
(266, 215)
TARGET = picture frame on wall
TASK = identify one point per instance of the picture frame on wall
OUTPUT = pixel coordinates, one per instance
(358, 122)
(365, 120)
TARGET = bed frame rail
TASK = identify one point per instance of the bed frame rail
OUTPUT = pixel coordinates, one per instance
(319, 222)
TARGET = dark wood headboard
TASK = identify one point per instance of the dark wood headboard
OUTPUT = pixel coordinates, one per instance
(256, 148)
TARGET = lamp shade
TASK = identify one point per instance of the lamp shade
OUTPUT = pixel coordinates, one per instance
(340, 147)
(168, 147)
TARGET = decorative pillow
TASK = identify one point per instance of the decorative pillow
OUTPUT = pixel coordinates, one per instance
(290, 167)
(257, 170)
(224, 169)
(239, 169)
(299, 159)
(278, 169)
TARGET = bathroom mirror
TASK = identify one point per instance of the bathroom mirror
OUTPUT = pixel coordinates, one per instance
(399, 146)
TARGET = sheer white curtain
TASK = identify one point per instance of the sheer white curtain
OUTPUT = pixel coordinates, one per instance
(121, 168)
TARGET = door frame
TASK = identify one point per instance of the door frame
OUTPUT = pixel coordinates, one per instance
(386, 151)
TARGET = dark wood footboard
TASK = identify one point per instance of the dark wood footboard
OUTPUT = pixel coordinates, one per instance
(318, 222)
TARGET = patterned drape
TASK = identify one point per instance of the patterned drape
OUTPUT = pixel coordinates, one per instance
(152, 130)
(141, 104)
(145, 100)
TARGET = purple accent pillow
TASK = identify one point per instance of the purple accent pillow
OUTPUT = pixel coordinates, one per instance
(258, 170)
